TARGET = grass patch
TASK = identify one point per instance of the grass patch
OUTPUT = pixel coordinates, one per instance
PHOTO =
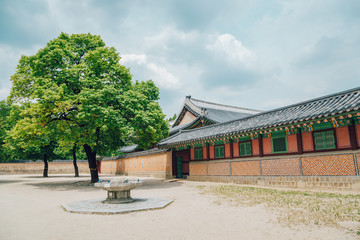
(293, 207)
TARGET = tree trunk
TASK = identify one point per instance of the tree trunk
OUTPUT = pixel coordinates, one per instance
(74, 161)
(46, 167)
(91, 156)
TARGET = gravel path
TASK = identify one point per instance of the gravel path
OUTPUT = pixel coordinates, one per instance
(30, 208)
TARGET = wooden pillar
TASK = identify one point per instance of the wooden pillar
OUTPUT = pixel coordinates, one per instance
(261, 152)
(189, 153)
(231, 149)
(299, 141)
(352, 135)
(208, 151)
(174, 166)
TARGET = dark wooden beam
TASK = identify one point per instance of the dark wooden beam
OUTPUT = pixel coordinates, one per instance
(352, 135)
(261, 152)
(299, 141)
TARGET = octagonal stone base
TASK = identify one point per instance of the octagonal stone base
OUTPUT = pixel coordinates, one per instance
(96, 206)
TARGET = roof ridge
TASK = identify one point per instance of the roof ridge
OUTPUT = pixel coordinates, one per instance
(224, 105)
(274, 110)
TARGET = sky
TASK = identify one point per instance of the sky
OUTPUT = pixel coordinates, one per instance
(258, 54)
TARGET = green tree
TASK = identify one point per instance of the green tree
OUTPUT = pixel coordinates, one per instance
(77, 86)
(32, 141)
(171, 118)
(6, 124)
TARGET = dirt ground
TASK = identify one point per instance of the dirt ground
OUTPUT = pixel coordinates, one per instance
(30, 208)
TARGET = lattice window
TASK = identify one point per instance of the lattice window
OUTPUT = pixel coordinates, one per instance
(198, 153)
(324, 140)
(245, 149)
(279, 143)
(219, 151)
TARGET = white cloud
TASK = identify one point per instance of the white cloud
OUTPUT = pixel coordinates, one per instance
(129, 58)
(160, 75)
(232, 50)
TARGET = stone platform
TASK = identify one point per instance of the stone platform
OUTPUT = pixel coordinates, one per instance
(96, 206)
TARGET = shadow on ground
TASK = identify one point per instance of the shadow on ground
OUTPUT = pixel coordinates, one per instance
(149, 184)
(83, 186)
(9, 181)
(51, 176)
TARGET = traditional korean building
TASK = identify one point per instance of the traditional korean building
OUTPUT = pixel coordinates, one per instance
(196, 113)
(315, 143)
(312, 143)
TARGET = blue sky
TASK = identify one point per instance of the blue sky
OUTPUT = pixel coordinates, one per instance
(255, 54)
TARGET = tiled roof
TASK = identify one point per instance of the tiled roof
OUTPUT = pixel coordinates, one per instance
(316, 108)
(214, 112)
(128, 149)
(223, 116)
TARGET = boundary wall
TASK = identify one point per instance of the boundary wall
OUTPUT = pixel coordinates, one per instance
(155, 163)
(331, 171)
(55, 167)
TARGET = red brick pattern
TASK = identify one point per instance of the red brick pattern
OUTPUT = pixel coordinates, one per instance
(197, 170)
(358, 161)
(343, 138)
(219, 169)
(328, 165)
(246, 168)
(281, 167)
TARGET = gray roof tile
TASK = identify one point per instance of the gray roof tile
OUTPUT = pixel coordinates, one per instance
(316, 108)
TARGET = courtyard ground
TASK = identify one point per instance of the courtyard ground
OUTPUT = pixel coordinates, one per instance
(30, 208)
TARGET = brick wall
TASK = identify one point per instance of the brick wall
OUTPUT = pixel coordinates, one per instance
(328, 165)
(336, 170)
(281, 167)
(153, 165)
(38, 168)
(198, 169)
(219, 169)
(245, 168)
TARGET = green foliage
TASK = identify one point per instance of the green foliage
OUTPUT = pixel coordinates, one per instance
(6, 124)
(77, 92)
(171, 118)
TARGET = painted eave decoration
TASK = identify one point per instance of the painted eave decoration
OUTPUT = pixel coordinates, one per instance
(339, 109)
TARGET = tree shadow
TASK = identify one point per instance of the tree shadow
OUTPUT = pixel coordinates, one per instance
(53, 176)
(149, 184)
(83, 186)
(9, 181)
(86, 185)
